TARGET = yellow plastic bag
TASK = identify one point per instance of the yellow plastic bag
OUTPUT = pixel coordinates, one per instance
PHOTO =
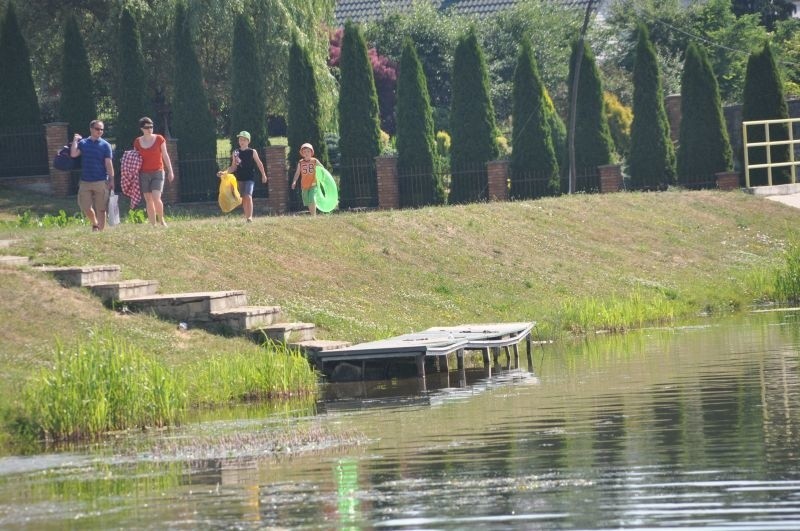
(229, 197)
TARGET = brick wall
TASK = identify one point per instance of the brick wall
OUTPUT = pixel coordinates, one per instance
(497, 174)
(277, 180)
(388, 187)
(610, 178)
(60, 181)
(172, 190)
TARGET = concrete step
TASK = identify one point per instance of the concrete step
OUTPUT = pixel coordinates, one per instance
(7, 243)
(72, 276)
(285, 332)
(14, 261)
(195, 308)
(121, 290)
(244, 318)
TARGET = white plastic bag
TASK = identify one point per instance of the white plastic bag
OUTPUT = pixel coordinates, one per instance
(113, 209)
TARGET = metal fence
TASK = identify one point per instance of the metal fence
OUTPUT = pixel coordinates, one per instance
(469, 183)
(358, 184)
(421, 186)
(697, 182)
(23, 152)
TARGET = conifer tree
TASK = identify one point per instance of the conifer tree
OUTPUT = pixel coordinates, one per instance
(593, 142)
(472, 123)
(651, 162)
(131, 95)
(704, 145)
(558, 130)
(17, 93)
(248, 87)
(764, 100)
(534, 167)
(359, 122)
(419, 182)
(304, 119)
(77, 105)
(192, 122)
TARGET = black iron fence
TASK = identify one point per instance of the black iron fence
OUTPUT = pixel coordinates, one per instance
(23, 152)
(358, 184)
(469, 183)
(587, 180)
(698, 182)
(421, 186)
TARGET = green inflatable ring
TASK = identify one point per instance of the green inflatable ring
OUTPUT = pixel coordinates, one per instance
(327, 195)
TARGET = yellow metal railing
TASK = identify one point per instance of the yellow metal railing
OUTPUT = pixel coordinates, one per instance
(792, 164)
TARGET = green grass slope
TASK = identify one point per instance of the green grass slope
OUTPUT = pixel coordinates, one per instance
(360, 276)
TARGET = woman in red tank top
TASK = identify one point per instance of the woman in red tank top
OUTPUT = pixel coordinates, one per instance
(155, 159)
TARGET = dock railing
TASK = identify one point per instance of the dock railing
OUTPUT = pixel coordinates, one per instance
(767, 144)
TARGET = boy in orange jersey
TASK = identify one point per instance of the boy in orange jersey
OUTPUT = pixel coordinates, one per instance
(307, 173)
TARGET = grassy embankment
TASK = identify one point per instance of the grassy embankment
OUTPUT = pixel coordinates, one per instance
(574, 264)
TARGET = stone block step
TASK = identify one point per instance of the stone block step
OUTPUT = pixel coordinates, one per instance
(71, 276)
(193, 308)
(120, 290)
(7, 243)
(314, 346)
(14, 261)
(244, 318)
(285, 332)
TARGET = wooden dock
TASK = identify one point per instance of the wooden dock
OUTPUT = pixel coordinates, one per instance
(435, 343)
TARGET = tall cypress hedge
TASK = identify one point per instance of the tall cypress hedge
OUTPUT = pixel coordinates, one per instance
(17, 93)
(192, 122)
(77, 104)
(593, 142)
(304, 119)
(704, 145)
(359, 122)
(534, 167)
(131, 96)
(764, 100)
(651, 162)
(248, 87)
(472, 123)
(420, 184)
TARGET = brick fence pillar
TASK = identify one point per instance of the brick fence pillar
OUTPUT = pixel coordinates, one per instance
(672, 106)
(60, 181)
(388, 187)
(727, 180)
(278, 180)
(610, 178)
(172, 190)
(497, 176)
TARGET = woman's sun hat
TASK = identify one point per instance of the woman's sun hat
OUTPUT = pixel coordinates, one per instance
(307, 145)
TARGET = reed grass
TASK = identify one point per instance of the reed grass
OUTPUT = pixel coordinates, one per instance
(102, 385)
(787, 278)
(106, 385)
(276, 372)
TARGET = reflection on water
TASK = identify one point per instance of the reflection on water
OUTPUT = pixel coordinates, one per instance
(673, 428)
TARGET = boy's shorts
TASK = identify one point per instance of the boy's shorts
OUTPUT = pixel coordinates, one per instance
(93, 194)
(151, 181)
(246, 187)
(308, 195)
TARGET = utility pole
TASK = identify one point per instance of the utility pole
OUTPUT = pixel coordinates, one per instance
(574, 100)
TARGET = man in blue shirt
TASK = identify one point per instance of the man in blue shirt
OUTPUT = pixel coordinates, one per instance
(97, 176)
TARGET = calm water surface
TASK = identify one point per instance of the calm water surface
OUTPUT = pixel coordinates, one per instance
(695, 427)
